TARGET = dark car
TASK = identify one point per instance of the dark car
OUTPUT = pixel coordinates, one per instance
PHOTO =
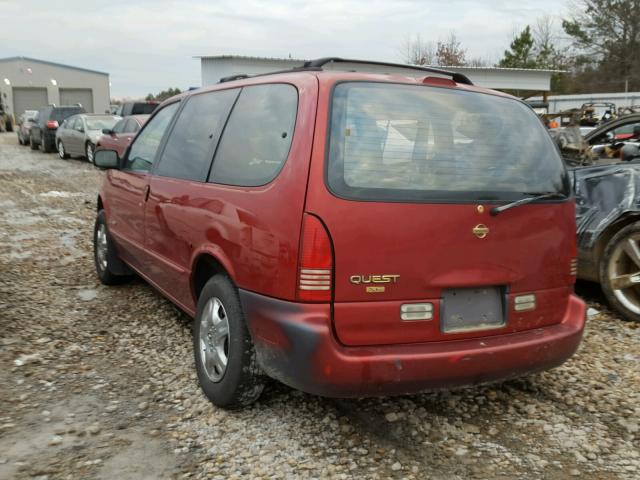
(136, 108)
(119, 137)
(349, 233)
(43, 133)
(24, 124)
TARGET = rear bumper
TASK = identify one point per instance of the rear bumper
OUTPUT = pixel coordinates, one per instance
(296, 345)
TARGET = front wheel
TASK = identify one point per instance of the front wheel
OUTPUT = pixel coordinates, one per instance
(225, 358)
(33, 144)
(620, 272)
(61, 151)
(89, 151)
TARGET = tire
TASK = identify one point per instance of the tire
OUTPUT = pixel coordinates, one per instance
(61, 151)
(20, 141)
(109, 268)
(46, 147)
(621, 261)
(33, 145)
(89, 151)
(241, 382)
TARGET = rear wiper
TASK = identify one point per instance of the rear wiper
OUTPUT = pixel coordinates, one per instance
(534, 196)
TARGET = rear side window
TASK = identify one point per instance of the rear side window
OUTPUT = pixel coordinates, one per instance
(256, 140)
(413, 142)
(143, 150)
(192, 141)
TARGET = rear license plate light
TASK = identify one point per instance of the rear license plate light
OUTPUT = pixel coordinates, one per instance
(470, 309)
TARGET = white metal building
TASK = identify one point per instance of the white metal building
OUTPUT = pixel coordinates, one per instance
(559, 103)
(29, 84)
(215, 67)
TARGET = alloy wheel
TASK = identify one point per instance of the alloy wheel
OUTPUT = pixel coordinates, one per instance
(101, 247)
(214, 339)
(89, 153)
(61, 150)
(624, 272)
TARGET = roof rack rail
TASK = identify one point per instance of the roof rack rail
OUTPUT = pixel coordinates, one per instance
(231, 78)
(455, 76)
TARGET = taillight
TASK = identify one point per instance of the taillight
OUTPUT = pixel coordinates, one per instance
(316, 262)
(52, 124)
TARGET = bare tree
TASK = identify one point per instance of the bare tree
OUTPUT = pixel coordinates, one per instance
(450, 52)
(415, 51)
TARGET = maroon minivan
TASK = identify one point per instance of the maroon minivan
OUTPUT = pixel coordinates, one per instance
(349, 233)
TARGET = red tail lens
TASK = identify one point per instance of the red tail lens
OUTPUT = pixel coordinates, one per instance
(316, 262)
(52, 124)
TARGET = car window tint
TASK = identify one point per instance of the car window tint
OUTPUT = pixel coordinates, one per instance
(119, 127)
(256, 140)
(144, 148)
(195, 135)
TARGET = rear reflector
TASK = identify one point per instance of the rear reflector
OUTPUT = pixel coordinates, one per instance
(525, 302)
(316, 262)
(573, 267)
(52, 124)
(416, 311)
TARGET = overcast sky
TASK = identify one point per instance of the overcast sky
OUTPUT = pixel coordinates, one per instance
(149, 45)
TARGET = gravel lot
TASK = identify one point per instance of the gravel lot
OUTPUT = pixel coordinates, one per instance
(98, 382)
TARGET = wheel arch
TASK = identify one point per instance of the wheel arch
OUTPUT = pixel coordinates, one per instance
(207, 263)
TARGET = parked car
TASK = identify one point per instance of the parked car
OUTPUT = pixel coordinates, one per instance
(79, 134)
(43, 133)
(136, 108)
(119, 137)
(347, 233)
(24, 124)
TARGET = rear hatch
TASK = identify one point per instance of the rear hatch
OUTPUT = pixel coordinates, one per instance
(411, 175)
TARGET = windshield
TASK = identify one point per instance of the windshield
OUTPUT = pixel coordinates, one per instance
(413, 142)
(98, 123)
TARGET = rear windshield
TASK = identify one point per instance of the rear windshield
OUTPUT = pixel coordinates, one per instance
(419, 143)
(62, 113)
(143, 108)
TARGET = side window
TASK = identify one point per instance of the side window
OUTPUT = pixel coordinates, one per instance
(119, 127)
(256, 140)
(144, 148)
(79, 124)
(195, 135)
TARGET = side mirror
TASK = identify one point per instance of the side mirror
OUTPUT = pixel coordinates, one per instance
(106, 159)
(81, 129)
(107, 131)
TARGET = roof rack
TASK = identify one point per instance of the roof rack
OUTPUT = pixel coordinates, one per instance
(316, 65)
(455, 76)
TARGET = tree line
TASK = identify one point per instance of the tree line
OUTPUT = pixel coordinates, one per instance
(597, 48)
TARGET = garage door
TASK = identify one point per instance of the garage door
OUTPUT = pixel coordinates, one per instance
(83, 96)
(28, 99)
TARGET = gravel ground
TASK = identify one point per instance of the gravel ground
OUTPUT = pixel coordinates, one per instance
(98, 382)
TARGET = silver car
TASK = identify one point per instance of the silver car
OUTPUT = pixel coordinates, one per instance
(79, 134)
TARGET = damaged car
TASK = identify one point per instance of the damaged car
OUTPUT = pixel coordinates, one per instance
(607, 190)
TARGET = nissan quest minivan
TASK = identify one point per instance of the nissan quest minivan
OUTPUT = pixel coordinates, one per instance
(349, 233)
